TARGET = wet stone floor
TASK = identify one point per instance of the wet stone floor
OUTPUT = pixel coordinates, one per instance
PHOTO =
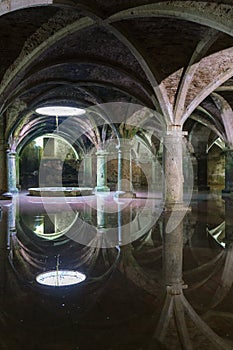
(151, 279)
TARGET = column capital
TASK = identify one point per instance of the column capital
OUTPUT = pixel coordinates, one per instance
(10, 152)
(101, 152)
(124, 143)
(88, 155)
(175, 129)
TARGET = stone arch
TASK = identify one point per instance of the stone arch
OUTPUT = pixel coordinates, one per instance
(7, 6)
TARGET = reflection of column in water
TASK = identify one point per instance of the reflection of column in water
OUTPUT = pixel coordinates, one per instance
(101, 221)
(175, 305)
(87, 211)
(226, 281)
(119, 223)
(101, 215)
(124, 219)
(3, 250)
(115, 226)
(228, 221)
(173, 254)
(11, 219)
(87, 170)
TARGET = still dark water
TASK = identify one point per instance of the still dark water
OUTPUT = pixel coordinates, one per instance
(153, 281)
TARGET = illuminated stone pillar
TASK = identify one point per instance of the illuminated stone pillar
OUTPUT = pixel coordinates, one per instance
(125, 188)
(3, 166)
(11, 174)
(173, 168)
(17, 172)
(101, 172)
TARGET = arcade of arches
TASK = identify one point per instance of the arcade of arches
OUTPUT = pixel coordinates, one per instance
(147, 166)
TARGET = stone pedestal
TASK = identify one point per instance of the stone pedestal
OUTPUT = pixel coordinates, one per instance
(101, 185)
(125, 188)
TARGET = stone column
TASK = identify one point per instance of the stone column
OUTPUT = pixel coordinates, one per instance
(125, 188)
(228, 171)
(11, 175)
(3, 167)
(87, 171)
(153, 173)
(101, 172)
(17, 172)
(202, 167)
(156, 175)
(3, 251)
(173, 168)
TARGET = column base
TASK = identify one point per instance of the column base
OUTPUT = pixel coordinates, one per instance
(125, 194)
(6, 195)
(180, 206)
(102, 189)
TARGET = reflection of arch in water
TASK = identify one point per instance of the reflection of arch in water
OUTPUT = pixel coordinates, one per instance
(218, 233)
(176, 311)
(59, 230)
(216, 273)
(122, 234)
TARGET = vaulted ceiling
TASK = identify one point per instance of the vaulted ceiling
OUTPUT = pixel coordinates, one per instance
(174, 57)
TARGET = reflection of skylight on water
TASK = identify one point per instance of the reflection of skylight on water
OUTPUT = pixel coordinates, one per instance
(60, 278)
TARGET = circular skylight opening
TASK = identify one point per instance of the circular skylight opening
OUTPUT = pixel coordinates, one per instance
(64, 111)
(60, 278)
